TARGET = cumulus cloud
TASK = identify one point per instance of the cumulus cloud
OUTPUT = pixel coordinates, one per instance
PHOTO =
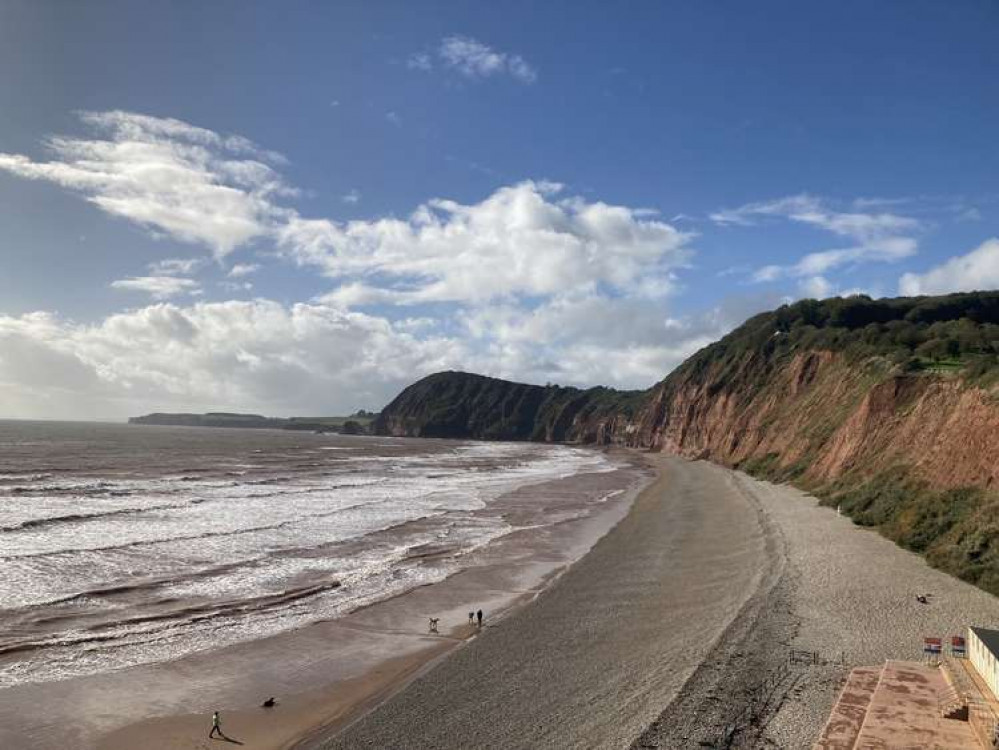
(180, 180)
(158, 287)
(974, 271)
(257, 354)
(585, 339)
(523, 240)
(474, 60)
(874, 237)
(264, 356)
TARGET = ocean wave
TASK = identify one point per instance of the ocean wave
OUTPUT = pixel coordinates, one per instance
(188, 613)
(286, 523)
(36, 523)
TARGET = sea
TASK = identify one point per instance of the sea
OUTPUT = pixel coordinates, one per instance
(123, 545)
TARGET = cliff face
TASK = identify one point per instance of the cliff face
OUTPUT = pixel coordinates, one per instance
(822, 417)
(888, 409)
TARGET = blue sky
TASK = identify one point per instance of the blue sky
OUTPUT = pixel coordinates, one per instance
(300, 207)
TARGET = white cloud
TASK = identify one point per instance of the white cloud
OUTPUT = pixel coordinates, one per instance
(523, 240)
(474, 60)
(589, 339)
(352, 196)
(236, 286)
(158, 287)
(257, 355)
(977, 270)
(420, 61)
(243, 269)
(520, 69)
(177, 179)
(817, 287)
(394, 118)
(176, 266)
(876, 237)
(263, 356)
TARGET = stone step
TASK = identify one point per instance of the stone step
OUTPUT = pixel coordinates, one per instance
(843, 726)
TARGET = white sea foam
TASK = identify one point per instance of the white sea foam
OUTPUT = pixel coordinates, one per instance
(129, 565)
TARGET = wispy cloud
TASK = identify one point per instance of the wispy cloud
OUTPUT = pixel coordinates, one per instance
(420, 61)
(971, 213)
(474, 60)
(158, 287)
(236, 286)
(180, 180)
(243, 269)
(880, 237)
(176, 266)
(352, 196)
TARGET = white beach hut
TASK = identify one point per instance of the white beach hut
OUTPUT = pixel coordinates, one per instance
(983, 652)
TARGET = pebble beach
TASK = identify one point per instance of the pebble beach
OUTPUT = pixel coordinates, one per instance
(675, 630)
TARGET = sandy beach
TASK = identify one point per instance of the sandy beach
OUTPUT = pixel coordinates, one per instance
(673, 630)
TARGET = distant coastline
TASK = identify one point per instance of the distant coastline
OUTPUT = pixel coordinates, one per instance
(357, 423)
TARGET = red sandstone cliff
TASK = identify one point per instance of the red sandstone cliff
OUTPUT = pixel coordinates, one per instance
(839, 417)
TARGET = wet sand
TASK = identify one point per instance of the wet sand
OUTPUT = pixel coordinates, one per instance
(324, 674)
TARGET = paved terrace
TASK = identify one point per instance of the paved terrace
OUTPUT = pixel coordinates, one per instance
(899, 709)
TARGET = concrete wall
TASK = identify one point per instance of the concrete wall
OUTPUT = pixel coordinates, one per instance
(984, 661)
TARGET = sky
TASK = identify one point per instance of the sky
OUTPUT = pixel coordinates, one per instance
(299, 208)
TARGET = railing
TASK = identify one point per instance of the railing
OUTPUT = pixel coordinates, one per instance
(984, 723)
(981, 716)
(950, 702)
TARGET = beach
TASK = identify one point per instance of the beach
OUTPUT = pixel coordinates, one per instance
(664, 621)
(674, 631)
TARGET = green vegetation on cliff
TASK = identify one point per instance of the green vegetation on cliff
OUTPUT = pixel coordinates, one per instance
(952, 333)
(463, 405)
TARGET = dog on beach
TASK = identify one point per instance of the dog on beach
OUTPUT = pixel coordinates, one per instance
(433, 624)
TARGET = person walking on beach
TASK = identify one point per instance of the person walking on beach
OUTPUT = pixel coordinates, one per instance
(216, 726)
(471, 617)
(479, 615)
